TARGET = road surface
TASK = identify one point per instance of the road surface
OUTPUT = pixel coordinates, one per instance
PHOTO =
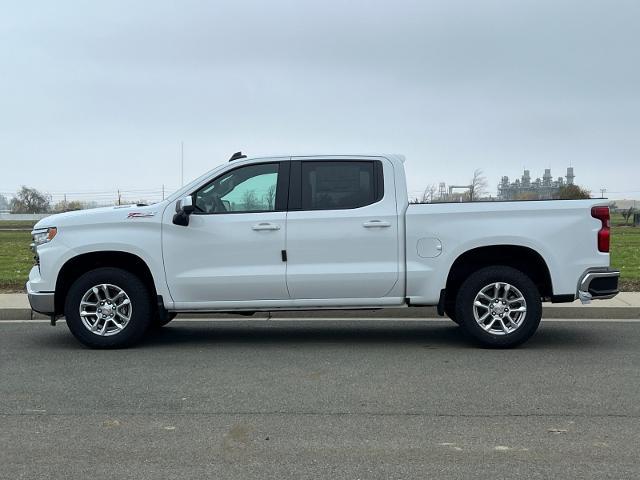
(321, 399)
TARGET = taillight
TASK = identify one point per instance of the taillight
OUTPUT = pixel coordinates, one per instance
(604, 234)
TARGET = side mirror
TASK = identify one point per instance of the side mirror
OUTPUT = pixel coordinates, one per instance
(185, 204)
(184, 208)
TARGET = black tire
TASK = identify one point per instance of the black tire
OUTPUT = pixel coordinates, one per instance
(160, 321)
(139, 299)
(452, 316)
(485, 277)
(450, 310)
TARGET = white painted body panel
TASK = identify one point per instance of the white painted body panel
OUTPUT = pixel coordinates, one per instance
(562, 232)
(219, 263)
(339, 254)
(221, 258)
(99, 230)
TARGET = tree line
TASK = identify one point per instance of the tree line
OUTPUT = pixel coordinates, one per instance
(31, 200)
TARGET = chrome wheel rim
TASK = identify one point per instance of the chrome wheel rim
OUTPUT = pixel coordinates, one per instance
(105, 309)
(500, 308)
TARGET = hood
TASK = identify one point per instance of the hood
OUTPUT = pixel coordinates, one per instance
(119, 213)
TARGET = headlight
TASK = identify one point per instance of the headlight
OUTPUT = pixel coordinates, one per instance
(43, 235)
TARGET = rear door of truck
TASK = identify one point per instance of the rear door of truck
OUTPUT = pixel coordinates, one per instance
(342, 228)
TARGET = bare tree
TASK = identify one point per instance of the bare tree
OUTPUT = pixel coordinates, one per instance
(478, 186)
(30, 200)
(627, 213)
(250, 200)
(270, 197)
(64, 206)
(572, 192)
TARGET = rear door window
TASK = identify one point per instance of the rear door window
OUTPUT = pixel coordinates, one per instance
(337, 185)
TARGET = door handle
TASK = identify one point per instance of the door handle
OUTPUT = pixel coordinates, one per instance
(376, 224)
(265, 226)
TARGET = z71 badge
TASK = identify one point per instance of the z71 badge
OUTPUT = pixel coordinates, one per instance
(141, 214)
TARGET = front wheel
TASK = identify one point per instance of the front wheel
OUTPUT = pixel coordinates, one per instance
(499, 307)
(108, 308)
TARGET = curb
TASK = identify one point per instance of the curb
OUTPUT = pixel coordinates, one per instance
(587, 313)
(20, 314)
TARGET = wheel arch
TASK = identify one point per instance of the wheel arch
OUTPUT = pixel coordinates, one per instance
(85, 262)
(524, 259)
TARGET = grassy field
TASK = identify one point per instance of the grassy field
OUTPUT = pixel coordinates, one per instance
(16, 258)
(625, 255)
(9, 224)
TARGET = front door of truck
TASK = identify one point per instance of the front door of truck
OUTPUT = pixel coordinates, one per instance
(342, 229)
(231, 251)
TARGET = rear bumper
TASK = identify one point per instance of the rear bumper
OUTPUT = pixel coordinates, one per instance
(41, 302)
(598, 285)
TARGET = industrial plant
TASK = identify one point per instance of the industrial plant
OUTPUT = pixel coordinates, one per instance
(541, 188)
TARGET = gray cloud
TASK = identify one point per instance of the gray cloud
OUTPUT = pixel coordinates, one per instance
(99, 95)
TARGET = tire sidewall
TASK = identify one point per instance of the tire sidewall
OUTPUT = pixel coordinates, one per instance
(160, 322)
(140, 302)
(484, 277)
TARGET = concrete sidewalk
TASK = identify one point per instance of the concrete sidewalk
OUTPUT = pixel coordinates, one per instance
(15, 306)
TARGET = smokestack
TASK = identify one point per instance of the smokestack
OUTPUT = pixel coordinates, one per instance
(570, 176)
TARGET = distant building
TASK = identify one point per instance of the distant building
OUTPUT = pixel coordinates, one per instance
(541, 188)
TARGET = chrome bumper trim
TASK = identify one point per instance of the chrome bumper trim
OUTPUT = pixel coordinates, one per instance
(585, 295)
(41, 302)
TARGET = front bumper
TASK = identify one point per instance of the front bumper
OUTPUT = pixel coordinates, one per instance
(598, 285)
(41, 302)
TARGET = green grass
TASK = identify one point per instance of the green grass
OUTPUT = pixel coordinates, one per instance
(16, 258)
(11, 224)
(625, 255)
(617, 220)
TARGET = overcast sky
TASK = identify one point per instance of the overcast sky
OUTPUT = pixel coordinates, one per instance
(98, 95)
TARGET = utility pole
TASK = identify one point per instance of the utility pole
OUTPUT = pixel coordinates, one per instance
(163, 191)
(602, 192)
(182, 164)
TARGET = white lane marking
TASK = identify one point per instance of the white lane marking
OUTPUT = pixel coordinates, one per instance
(354, 319)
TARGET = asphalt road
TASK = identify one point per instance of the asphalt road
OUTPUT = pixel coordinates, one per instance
(333, 399)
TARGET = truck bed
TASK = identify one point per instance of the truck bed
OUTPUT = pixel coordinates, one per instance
(563, 233)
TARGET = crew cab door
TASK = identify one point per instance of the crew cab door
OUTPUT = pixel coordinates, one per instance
(342, 229)
(232, 248)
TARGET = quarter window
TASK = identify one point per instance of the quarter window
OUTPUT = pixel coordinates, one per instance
(245, 189)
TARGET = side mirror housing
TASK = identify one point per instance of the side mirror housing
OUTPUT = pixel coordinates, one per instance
(184, 208)
(186, 204)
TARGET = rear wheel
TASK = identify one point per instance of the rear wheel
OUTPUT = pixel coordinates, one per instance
(499, 307)
(452, 316)
(108, 308)
(162, 320)
(450, 310)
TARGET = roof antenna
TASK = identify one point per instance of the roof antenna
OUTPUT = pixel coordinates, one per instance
(237, 156)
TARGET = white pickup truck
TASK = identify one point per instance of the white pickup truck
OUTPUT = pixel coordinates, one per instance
(317, 232)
